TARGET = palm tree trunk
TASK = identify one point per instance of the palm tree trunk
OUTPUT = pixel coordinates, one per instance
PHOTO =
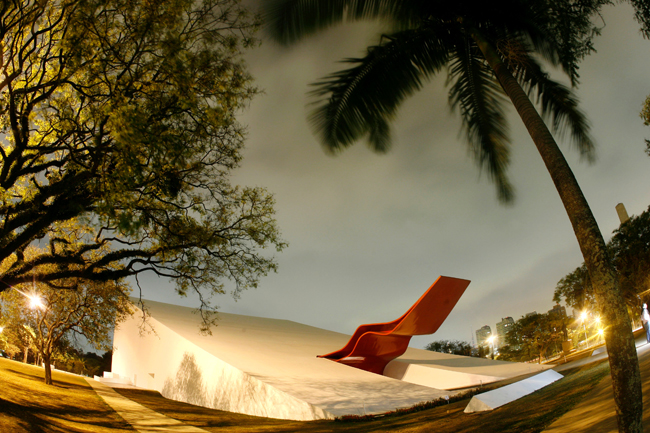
(626, 379)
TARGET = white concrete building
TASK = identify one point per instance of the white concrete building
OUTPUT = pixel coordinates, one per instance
(268, 367)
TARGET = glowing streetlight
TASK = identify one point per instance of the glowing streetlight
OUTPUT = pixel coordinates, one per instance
(491, 339)
(583, 317)
(35, 302)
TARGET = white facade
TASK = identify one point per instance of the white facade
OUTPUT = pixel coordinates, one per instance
(268, 367)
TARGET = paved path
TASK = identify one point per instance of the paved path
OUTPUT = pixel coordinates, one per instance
(596, 413)
(141, 418)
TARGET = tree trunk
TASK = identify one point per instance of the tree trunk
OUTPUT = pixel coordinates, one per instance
(26, 355)
(623, 361)
(48, 370)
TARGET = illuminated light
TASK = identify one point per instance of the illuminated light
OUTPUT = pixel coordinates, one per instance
(583, 315)
(601, 331)
(35, 301)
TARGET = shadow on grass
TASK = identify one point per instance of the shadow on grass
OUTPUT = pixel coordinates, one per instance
(57, 380)
(36, 419)
(71, 405)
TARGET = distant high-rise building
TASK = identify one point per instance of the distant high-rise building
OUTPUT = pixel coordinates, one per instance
(557, 312)
(503, 327)
(531, 314)
(482, 335)
(622, 213)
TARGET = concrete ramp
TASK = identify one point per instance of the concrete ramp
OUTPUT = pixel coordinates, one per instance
(504, 395)
(450, 372)
(269, 367)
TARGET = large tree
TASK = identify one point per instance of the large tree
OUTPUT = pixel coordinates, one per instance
(90, 309)
(575, 290)
(489, 50)
(119, 116)
(535, 334)
(629, 248)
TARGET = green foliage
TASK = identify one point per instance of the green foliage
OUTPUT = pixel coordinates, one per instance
(645, 115)
(533, 336)
(87, 364)
(427, 37)
(629, 249)
(118, 116)
(455, 347)
(575, 290)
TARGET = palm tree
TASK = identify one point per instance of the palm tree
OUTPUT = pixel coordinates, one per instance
(490, 50)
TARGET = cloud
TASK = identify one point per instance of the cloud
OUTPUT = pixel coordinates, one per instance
(369, 233)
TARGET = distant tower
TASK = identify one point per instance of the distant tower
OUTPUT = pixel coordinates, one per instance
(482, 335)
(557, 312)
(503, 327)
(622, 213)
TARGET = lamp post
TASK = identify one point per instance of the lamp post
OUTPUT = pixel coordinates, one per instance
(583, 317)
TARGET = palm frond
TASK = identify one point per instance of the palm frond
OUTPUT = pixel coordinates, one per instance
(558, 103)
(362, 99)
(479, 97)
(567, 29)
(291, 20)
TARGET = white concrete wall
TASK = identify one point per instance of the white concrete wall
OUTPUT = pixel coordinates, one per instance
(436, 377)
(496, 398)
(181, 371)
(269, 367)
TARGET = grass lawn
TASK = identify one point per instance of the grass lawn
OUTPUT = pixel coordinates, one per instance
(28, 405)
(70, 405)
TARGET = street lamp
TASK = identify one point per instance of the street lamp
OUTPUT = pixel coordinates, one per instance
(491, 340)
(583, 317)
(35, 300)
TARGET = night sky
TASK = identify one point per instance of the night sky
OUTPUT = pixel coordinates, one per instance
(369, 233)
